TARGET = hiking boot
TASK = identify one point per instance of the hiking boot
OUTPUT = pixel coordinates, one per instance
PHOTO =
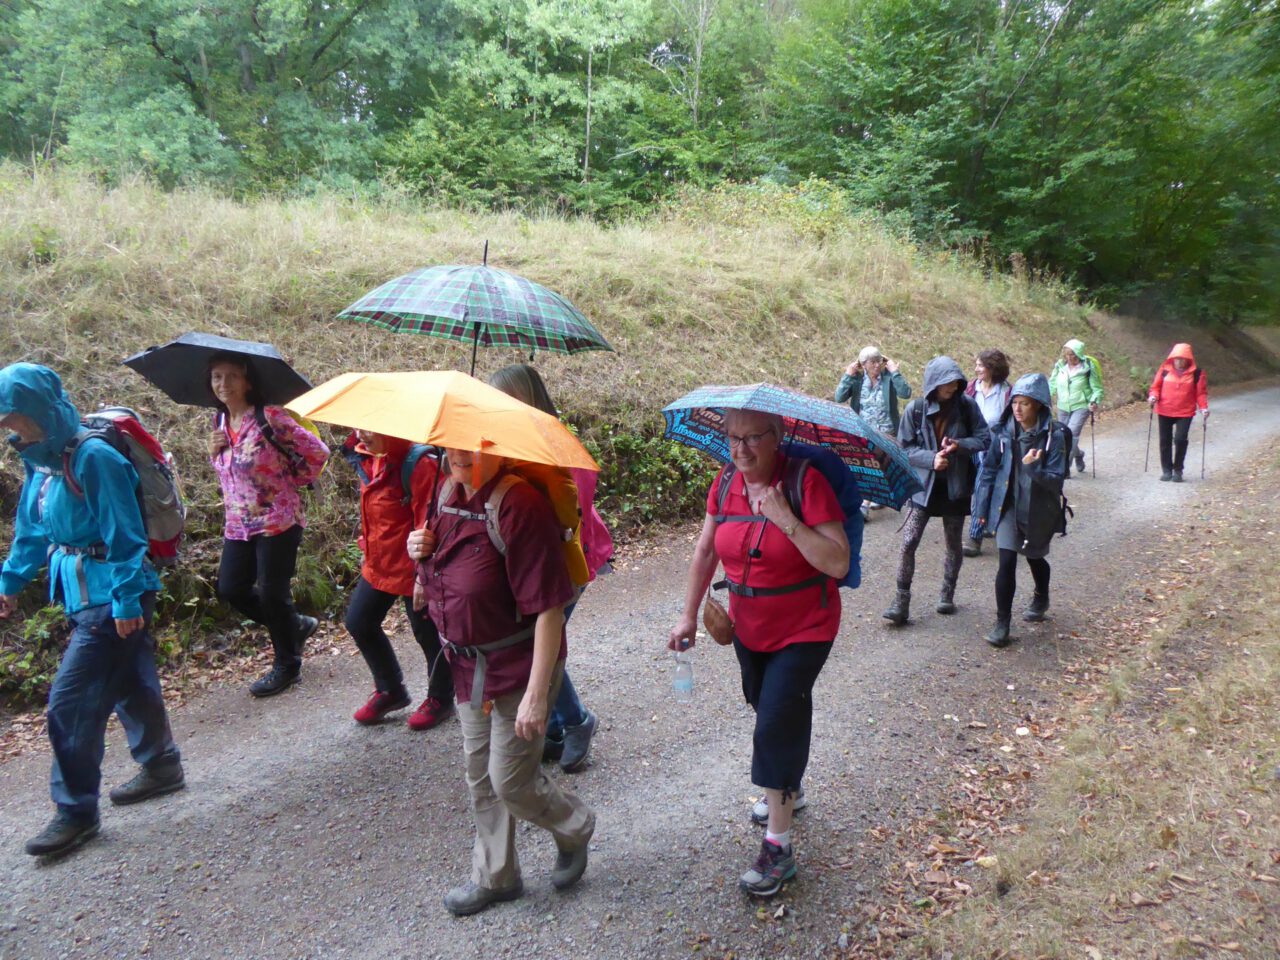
(1080, 465)
(760, 812)
(277, 680)
(303, 628)
(1166, 476)
(900, 609)
(577, 744)
(62, 835)
(972, 548)
(472, 898)
(774, 867)
(1037, 608)
(999, 635)
(1177, 476)
(946, 600)
(153, 781)
(430, 713)
(552, 749)
(569, 868)
(379, 705)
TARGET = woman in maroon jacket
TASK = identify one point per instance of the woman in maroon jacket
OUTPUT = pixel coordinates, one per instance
(1178, 390)
(394, 496)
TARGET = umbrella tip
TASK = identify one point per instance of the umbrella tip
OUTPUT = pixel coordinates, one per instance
(486, 253)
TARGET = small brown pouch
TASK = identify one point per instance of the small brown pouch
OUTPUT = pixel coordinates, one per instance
(717, 621)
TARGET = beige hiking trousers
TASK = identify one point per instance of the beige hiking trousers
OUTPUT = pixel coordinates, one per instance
(506, 780)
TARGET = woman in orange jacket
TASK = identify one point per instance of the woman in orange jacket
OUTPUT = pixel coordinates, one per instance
(397, 485)
(1178, 390)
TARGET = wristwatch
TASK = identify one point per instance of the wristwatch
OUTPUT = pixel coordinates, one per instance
(795, 525)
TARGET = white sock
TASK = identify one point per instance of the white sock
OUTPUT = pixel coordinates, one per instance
(781, 839)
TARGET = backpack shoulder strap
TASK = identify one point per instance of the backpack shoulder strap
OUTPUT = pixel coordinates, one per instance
(727, 475)
(793, 484)
(493, 505)
(408, 465)
(269, 434)
(72, 448)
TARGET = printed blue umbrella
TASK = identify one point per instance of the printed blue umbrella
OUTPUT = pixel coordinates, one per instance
(882, 470)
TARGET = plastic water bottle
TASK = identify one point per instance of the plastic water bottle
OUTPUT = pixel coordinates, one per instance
(682, 683)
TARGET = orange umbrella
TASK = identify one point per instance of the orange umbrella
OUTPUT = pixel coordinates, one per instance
(447, 409)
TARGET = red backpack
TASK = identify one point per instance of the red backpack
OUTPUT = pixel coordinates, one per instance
(159, 496)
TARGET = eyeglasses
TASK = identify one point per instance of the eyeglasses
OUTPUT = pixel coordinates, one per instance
(751, 440)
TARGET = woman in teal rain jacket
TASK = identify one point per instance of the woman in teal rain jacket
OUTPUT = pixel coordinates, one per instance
(95, 545)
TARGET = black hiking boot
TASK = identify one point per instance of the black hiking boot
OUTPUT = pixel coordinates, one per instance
(153, 781)
(1037, 608)
(1166, 476)
(1177, 476)
(62, 835)
(999, 635)
(277, 680)
(900, 610)
(303, 628)
(947, 600)
(972, 548)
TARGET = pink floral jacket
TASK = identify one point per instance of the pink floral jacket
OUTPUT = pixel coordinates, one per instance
(259, 488)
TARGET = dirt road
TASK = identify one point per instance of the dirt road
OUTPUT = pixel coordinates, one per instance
(304, 835)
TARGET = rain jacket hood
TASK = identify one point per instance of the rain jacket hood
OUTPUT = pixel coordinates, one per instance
(1182, 350)
(1035, 386)
(1076, 347)
(36, 392)
(941, 370)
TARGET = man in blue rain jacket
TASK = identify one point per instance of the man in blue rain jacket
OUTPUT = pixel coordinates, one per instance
(95, 544)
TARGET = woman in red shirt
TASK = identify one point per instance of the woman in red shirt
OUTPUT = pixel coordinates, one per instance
(1179, 389)
(781, 571)
(389, 509)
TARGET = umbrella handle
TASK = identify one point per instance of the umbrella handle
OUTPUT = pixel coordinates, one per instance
(475, 339)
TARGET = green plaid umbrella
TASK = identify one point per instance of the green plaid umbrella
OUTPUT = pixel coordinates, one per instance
(480, 304)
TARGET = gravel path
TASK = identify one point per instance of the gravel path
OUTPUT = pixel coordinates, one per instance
(303, 835)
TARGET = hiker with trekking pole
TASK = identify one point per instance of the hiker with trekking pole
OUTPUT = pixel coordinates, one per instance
(1076, 383)
(1179, 389)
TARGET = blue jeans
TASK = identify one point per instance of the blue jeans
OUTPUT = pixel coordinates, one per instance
(568, 710)
(102, 672)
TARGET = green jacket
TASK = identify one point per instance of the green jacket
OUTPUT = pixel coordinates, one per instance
(1076, 392)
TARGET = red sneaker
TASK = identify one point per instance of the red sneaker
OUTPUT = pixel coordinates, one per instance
(379, 705)
(429, 714)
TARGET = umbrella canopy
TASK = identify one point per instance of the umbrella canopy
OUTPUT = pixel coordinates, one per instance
(444, 408)
(882, 469)
(480, 305)
(180, 369)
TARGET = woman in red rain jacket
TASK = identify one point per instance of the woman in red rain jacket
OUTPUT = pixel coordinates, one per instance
(1179, 389)
(393, 500)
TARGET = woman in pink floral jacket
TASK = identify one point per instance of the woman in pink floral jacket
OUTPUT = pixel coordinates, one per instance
(263, 458)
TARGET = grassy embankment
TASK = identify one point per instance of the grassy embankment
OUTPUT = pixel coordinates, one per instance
(1145, 821)
(728, 287)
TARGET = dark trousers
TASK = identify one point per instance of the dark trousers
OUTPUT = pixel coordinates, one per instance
(256, 578)
(101, 673)
(1173, 442)
(367, 610)
(779, 686)
(567, 710)
(1007, 580)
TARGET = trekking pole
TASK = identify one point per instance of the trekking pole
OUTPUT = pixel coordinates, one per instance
(1204, 441)
(1093, 448)
(1151, 418)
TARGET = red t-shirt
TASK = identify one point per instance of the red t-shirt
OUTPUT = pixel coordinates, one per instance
(765, 624)
(476, 596)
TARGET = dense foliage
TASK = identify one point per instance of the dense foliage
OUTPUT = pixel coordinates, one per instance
(1130, 145)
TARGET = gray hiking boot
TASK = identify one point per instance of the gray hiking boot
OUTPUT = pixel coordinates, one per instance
(947, 599)
(900, 610)
(577, 744)
(1037, 608)
(972, 548)
(153, 781)
(999, 635)
(1177, 476)
(774, 867)
(472, 898)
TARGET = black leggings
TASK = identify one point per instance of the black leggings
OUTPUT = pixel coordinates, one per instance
(256, 578)
(369, 606)
(1173, 442)
(1006, 580)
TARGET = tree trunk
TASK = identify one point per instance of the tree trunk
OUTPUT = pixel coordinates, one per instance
(586, 151)
(247, 83)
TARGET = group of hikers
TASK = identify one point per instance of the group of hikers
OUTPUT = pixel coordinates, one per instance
(476, 556)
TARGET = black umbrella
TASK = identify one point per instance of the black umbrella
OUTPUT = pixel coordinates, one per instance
(180, 369)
